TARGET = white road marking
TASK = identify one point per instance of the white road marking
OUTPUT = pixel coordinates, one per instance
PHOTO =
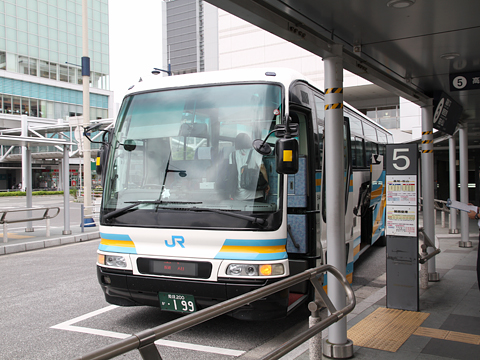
(68, 326)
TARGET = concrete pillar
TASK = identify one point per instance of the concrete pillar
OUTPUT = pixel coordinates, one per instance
(337, 345)
(452, 167)
(428, 184)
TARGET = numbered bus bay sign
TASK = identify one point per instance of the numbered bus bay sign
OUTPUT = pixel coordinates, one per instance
(402, 159)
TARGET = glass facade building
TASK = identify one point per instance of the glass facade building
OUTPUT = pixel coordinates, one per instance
(40, 53)
(41, 49)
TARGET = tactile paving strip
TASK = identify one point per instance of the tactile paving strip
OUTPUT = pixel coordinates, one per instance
(386, 329)
(448, 335)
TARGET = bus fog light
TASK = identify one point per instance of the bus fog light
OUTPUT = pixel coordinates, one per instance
(252, 270)
(117, 261)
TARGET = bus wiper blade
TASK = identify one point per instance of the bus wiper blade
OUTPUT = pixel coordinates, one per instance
(253, 219)
(123, 210)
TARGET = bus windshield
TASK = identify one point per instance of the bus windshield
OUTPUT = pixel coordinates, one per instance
(179, 153)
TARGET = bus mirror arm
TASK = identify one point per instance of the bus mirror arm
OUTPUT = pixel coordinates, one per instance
(89, 129)
(287, 131)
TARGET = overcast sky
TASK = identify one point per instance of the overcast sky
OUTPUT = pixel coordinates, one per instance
(135, 42)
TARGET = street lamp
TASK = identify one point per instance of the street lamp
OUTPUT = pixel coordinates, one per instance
(157, 71)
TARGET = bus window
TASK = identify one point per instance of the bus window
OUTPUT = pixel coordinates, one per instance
(371, 149)
(319, 158)
(356, 126)
(382, 137)
(381, 149)
(358, 157)
(370, 132)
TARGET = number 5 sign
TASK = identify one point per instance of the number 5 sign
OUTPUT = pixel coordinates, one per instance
(401, 159)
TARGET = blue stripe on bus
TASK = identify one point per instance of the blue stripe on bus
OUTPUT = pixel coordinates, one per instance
(115, 237)
(117, 249)
(251, 256)
(268, 242)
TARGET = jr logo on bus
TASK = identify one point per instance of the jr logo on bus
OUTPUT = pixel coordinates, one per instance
(176, 240)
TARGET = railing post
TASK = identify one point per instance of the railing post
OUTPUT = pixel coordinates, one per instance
(315, 342)
(82, 220)
(47, 232)
(5, 235)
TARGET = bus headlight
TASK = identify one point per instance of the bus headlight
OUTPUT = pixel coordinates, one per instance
(255, 270)
(112, 260)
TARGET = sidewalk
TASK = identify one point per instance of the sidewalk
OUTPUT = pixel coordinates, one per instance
(447, 325)
(19, 241)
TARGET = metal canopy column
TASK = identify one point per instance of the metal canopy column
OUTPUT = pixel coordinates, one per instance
(27, 172)
(66, 192)
(452, 168)
(337, 345)
(87, 171)
(463, 152)
(428, 183)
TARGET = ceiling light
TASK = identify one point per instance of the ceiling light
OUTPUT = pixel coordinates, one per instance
(449, 56)
(400, 4)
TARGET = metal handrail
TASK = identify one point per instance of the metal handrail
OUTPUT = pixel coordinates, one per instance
(144, 341)
(425, 256)
(46, 216)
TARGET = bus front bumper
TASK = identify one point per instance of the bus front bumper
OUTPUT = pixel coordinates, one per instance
(126, 289)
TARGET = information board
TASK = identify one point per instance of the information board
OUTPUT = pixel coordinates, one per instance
(401, 190)
(402, 220)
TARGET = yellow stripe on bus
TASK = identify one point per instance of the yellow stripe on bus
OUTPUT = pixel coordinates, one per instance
(120, 243)
(356, 250)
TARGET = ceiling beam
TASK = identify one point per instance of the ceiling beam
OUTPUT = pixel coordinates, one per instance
(280, 19)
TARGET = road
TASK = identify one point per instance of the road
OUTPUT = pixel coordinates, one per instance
(53, 308)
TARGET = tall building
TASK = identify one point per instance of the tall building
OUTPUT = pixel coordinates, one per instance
(190, 33)
(40, 73)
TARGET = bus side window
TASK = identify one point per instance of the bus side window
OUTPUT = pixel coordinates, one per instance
(370, 148)
(358, 157)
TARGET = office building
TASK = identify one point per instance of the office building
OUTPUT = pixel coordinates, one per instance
(40, 76)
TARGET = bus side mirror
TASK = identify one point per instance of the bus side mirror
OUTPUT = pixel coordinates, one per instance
(286, 154)
(102, 156)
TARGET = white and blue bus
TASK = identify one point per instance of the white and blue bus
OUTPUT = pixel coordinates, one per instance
(182, 227)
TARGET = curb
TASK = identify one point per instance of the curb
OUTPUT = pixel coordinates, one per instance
(42, 244)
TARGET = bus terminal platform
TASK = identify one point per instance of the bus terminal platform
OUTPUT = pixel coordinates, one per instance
(446, 327)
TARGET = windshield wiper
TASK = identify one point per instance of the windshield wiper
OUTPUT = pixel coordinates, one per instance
(123, 210)
(253, 219)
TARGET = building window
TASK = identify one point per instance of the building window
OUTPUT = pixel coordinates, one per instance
(63, 73)
(387, 116)
(53, 71)
(3, 61)
(44, 69)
